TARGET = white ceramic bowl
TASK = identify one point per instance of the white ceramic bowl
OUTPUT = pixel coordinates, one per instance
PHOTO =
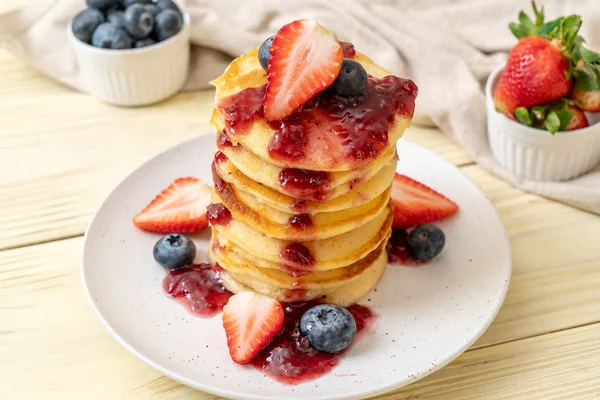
(535, 153)
(135, 77)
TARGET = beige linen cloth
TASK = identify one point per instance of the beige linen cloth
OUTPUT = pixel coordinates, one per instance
(448, 47)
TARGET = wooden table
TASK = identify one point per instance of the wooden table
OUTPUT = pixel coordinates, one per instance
(60, 154)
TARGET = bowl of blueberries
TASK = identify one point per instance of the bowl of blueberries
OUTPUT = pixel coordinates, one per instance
(132, 52)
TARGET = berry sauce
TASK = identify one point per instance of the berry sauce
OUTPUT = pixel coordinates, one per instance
(241, 109)
(198, 288)
(298, 205)
(218, 214)
(289, 359)
(223, 140)
(304, 184)
(300, 221)
(397, 249)
(220, 157)
(297, 254)
(348, 49)
(352, 130)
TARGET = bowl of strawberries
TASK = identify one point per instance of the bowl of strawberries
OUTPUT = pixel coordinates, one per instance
(543, 105)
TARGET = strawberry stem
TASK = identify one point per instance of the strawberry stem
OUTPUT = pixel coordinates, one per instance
(563, 32)
(552, 117)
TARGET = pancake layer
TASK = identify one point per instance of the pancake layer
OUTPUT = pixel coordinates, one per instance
(306, 198)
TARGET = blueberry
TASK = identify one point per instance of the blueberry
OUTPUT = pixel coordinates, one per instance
(264, 53)
(152, 9)
(168, 5)
(113, 10)
(85, 23)
(328, 328)
(117, 18)
(127, 3)
(174, 251)
(101, 4)
(138, 21)
(144, 43)
(109, 36)
(352, 80)
(426, 241)
(166, 25)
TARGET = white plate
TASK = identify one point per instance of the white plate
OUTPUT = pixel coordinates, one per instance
(428, 315)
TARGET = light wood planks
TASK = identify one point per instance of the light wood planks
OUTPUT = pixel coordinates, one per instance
(556, 263)
(560, 365)
(52, 346)
(62, 152)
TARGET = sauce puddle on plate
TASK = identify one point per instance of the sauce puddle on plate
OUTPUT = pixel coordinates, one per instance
(198, 288)
(398, 252)
(288, 358)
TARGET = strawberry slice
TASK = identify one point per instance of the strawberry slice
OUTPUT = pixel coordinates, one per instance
(305, 59)
(250, 320)
(179, 208)
(416, 204)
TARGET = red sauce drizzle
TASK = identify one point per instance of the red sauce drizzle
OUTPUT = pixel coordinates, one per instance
(360, 125)
(198, 288)
(297, 254)
(220, 157)
(241, 109)
(218, 214)
(348, 49)
(397, 249)
(223, 140)
(298, 205)
(300, 222)
(304, 184)
(289, 359)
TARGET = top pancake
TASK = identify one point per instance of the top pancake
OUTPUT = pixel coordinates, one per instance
(335, 136)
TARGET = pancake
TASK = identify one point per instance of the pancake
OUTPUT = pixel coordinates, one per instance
(335, 184)
(308, 196)
(246, 208)
(239, 266)
(344, 295)
(280, 284)
(355, 196)
(333, 137)
(335, 252)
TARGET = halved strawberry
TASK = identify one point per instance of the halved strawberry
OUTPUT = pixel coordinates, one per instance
(416, 204)
(250, 320)
(305, 59)
(179, 208)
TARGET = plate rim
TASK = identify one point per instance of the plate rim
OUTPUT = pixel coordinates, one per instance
(240, 396)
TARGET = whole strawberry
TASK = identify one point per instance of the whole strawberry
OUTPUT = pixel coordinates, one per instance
(539, 67)
(536, 73)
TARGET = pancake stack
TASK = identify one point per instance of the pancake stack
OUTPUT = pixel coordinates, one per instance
(301, 206)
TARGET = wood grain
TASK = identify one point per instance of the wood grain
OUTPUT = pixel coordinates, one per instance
(556, 268)
(61, 152)
(54, 347)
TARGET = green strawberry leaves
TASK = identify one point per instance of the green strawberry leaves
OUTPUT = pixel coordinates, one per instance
(564, 32)
(565, 29)
(553, 117)
(526, 27)
(523, 116)
(587, 72)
